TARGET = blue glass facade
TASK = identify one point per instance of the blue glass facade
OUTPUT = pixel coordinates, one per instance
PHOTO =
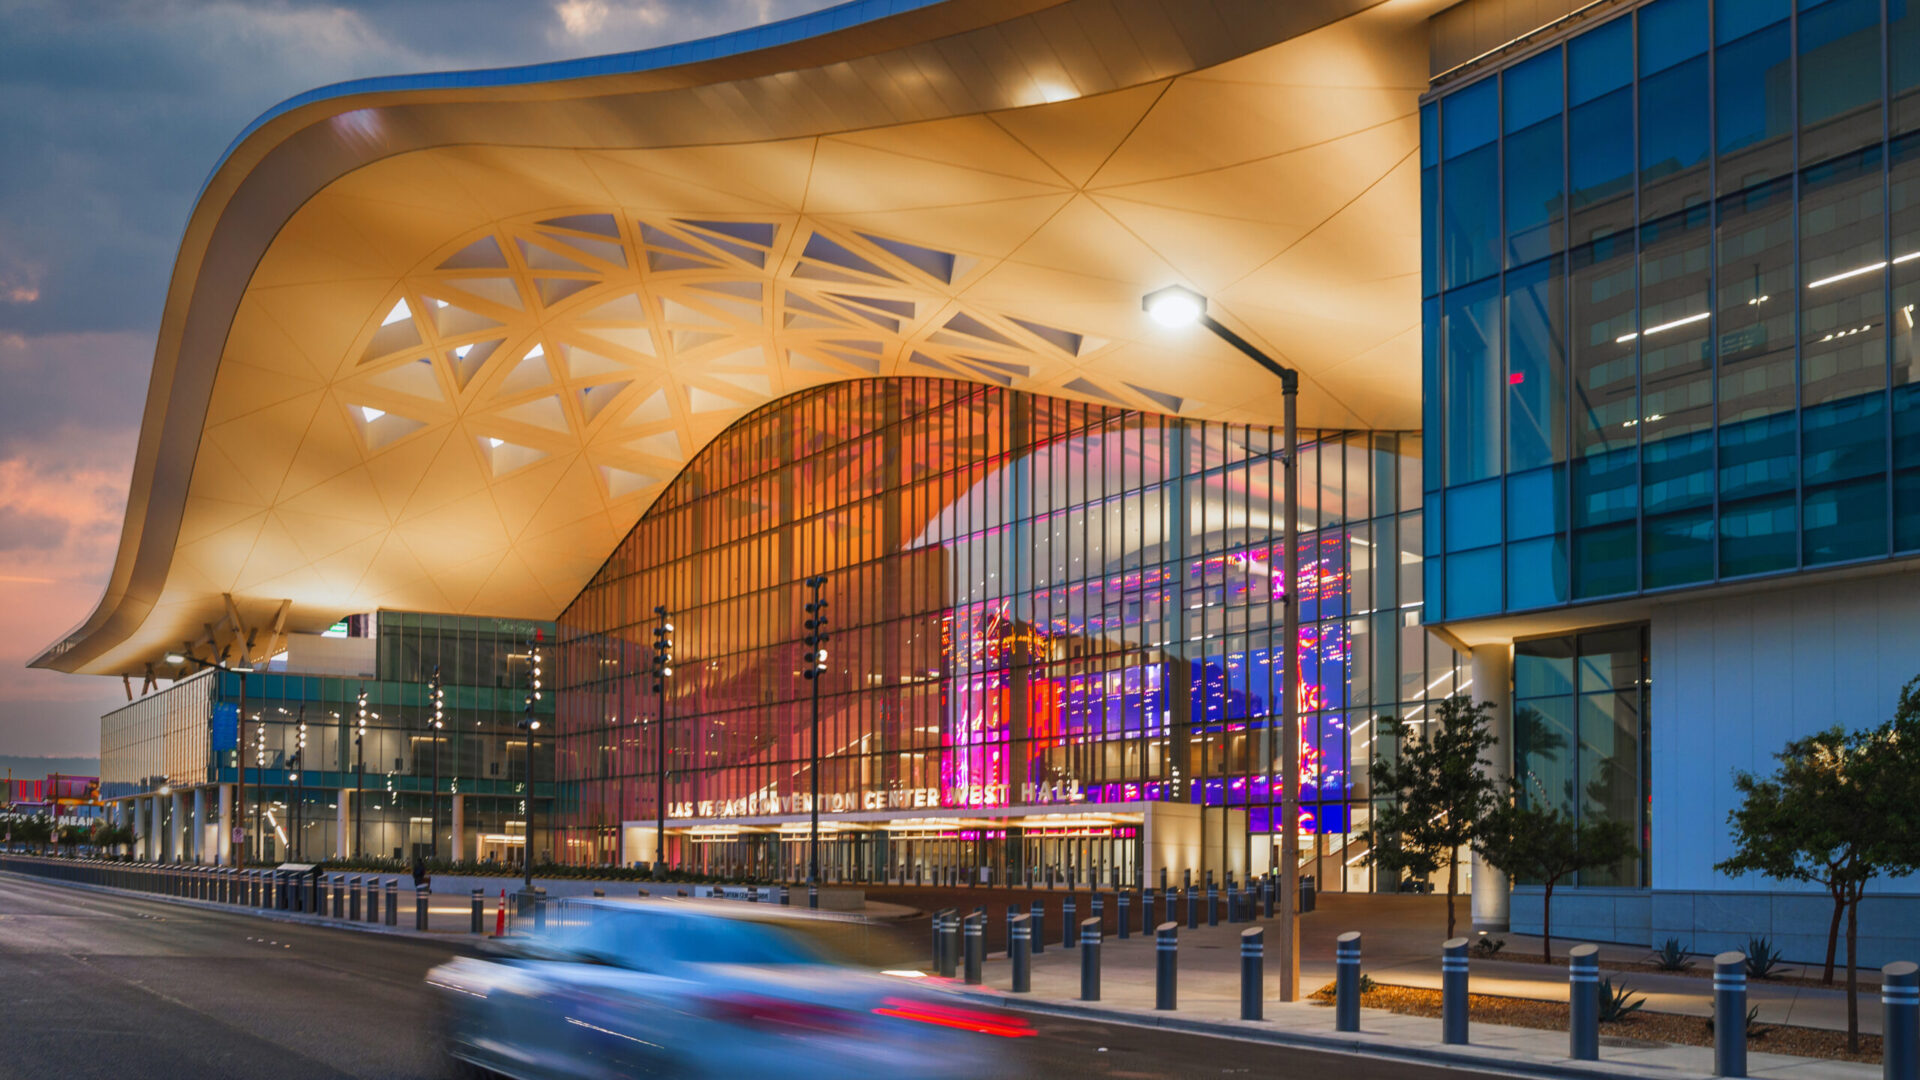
(1671, 265)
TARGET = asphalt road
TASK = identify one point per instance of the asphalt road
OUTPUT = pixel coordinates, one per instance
(94, 985)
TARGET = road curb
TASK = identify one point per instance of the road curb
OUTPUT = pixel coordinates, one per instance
(1486, 1060)
(263, 914)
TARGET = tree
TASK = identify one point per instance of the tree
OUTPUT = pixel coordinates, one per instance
(1442, 793)
(1532, 841)
(1832, 814)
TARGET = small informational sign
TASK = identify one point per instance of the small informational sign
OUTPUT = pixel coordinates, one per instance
(226, 726)
(239, 835)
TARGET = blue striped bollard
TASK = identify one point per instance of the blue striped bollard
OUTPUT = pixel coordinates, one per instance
(1166, 955)
(1068, 928)
(1730, 1014)
(1346, 981)
(1252, 958)
(1038, 929)
(1213, 904)
(1193, 907)
(1453, 992)
(1020, 952)
(976, 947)
(1583, 1002)
(1900, 1024)
(1149, 911)
(1090, 960)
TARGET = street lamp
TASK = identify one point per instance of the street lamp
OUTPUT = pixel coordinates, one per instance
(815, 662)
(1175, 306)
(436, 701)
(662, 671)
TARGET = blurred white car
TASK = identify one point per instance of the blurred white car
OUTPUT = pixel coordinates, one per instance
(673, 988)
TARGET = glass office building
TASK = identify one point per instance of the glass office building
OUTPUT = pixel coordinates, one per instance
(1051, 625)
(337, 763)
(1671, 265)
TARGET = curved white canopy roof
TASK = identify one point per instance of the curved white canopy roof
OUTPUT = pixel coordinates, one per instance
(437, 342)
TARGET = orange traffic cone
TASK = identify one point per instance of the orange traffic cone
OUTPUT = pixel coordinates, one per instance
(500, 916)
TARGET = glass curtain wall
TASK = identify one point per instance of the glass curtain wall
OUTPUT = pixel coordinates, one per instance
(1671, 287)
(1032, 602)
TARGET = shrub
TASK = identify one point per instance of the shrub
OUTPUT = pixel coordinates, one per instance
(1617, 1002)
(1489, 947)
(1671, 957)
(1755, 1029)
(1762, 959)
(1327, 992)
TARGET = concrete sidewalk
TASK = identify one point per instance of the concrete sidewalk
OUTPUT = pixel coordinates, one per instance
(1209, 1001)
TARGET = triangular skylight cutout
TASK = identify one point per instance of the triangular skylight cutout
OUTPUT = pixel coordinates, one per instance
(1002, 366)
(595, 399)
(991, 374)
(706, 401)
(1092, 389)
(1159, 397)
(740, 290)
(621, 482)
(623, 308)
(935, 264)
(664, 445)
(653, 410)
(760, 233)
(662, 261)
(554, 290)
(802, 362)
(684, 340)
(585, 363)
(902, 308)
(541, 412)
(759, 384)
(540, 257)
(452, 320)
(397, 331)
(868, 364)
(482, 254)
(822, 249)
(634, 338)
(531, 373)
(1065, 340)
(599, 224)
(504, 457)
(752, 357)
(674, 311)
(379, 428)
(963, 323)
(923, 360)
(496, 290)
(467, 360)
(607, 251)
(415, 378)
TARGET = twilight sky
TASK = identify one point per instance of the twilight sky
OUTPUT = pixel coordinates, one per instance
(111, 116)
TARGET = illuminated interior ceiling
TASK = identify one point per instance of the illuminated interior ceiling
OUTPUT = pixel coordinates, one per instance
(437, 343)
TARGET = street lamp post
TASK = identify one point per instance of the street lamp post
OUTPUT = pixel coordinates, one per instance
(437, 701)
(1178, 306)
(662, 671)
(815, 663)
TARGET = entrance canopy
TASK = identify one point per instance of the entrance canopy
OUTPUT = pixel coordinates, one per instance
(437, 342)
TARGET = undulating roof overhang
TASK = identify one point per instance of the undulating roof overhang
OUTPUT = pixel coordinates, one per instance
(436, 342)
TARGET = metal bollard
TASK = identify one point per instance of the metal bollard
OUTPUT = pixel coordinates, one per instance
(1900, 1025)
(950, 944)
(599, 893)
(353, 899)
(1039, 928)
(1453, 991)
(1090, 960)
(539, 909)
(813, 895)
(1252, 958)
(478, 925)
(1213, 904)
(940, 940)
(786, 897)
(976, 947)
(1193, 907)
(1233, 901)
(1166, 955)
(284, 890)
(420, 894)
(393, 901)
(1123, 917)
(1097, 909)
(1266, 894)
(339, 896)
(1583, 1002)
(1020, 952)
(1730, 1014)
(1149, 910)
(373, 899)
(1067, 927)
(1346, 981)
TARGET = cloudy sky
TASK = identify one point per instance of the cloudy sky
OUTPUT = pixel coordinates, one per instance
(111, 115)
